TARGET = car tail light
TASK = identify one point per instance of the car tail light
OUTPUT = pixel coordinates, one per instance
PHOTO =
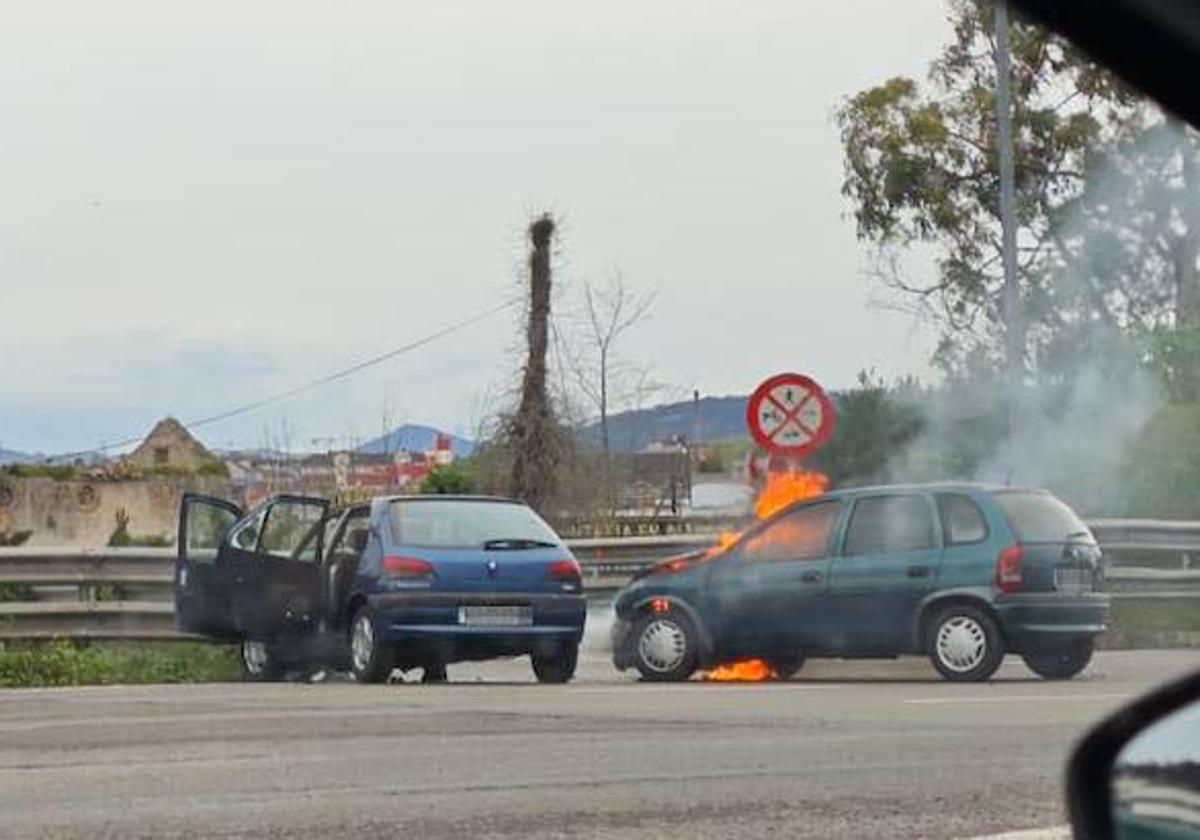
(406, 568)
(1008, 568)
(566, 570)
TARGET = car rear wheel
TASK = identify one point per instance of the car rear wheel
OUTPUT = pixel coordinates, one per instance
(260, 662)
(557, 666)
(1061, 661)
(665, 646)
(786, 666)
(965, 644)
(370, 655)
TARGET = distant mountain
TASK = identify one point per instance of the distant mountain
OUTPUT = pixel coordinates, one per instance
(11, 456)
(415, 438)
(712, 418)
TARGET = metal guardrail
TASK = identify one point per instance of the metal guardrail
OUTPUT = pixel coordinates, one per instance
(125, 593)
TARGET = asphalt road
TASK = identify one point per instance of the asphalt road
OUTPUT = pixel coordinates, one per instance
(845, 750)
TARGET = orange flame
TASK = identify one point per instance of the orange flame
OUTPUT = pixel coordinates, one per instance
(745, 670)
(780, 490)
(783, 488)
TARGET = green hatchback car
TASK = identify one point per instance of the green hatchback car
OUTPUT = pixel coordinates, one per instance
(964, 573)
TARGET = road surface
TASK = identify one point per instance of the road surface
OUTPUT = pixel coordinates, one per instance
(845, 750)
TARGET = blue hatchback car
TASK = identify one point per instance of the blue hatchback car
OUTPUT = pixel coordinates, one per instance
(397, 582)
(962, 573)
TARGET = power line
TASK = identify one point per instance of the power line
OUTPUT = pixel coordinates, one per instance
(316, 383)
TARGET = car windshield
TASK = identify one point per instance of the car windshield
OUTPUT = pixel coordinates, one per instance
(468, 524)
(1039, 517)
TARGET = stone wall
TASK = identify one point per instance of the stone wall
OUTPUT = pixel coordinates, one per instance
(83, 514)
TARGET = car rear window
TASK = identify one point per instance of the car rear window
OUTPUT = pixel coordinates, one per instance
(1039, 517)
(466, 524)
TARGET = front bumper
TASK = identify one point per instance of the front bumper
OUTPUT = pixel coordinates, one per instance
(1033, 617)
(622, 651)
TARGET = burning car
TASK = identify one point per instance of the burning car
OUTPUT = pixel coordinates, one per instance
(397, 582)
(963, 573)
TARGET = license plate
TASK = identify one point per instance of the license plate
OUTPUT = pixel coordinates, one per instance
(1072, 577)
(495, 616)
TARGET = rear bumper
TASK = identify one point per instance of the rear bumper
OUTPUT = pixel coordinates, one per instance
(1034, 617)
(432, 619)
(622, 651)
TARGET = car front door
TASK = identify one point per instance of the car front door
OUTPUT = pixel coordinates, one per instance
(203, 585)
(768, 593)
(275, 559)
(888, 561)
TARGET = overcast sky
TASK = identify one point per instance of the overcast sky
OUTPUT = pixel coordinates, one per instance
(202, 203)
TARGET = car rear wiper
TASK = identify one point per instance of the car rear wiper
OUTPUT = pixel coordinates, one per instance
(516, 543)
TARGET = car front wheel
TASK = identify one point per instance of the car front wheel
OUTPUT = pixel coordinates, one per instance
(786, 666)
(557, 666)
(665, 646)
(370, 656)
(1061, 661)
(965, 644)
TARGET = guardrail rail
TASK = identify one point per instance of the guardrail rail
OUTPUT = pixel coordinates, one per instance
(125, 593)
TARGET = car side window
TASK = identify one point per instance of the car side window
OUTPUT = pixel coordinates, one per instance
(963, 522)
(352, 539)
(245, 536)
(889, 524)
(800, 535)
(290, 530)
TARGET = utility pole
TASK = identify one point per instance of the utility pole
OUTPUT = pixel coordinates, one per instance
(1014, 335)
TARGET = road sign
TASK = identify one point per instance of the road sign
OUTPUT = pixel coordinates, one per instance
(789, 414)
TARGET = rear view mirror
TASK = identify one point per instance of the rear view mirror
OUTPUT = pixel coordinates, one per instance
(1137, 775)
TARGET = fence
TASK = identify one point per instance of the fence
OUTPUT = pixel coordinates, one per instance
(117, 593)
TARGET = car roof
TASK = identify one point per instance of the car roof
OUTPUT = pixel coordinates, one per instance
(929, 487)
(446, 497)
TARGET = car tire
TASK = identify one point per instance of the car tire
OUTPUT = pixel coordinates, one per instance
(786, 666)
(434, 673)
(371, 658)
(261, 662)
(557, 666)
(965, 644)
(1061, 661)
(665, 645)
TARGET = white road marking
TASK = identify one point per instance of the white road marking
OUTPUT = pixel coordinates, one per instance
(1058, 832)
(1012, 698)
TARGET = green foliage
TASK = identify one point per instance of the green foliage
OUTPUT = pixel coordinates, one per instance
(1161, 471)
(57, 472)
(875, 423)
(448, 480)
(16, 592)
(1106, 226)
(1174, 357)
(64, 662)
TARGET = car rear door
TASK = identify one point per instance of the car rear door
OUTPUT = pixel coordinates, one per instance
(888, 561)
(276, 567)
(203, 584)
(768, 594)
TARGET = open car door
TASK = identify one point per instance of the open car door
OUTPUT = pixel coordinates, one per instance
(203, 585)
(274, 563)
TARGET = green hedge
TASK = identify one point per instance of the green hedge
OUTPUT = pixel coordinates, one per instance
(101, 663)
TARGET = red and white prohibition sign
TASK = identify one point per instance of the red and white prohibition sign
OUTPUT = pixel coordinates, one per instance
(789, 414)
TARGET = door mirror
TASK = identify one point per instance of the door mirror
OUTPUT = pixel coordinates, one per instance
(1137, 775)
(1155, 783)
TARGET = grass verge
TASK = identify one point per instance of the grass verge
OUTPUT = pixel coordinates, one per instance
(64, 662)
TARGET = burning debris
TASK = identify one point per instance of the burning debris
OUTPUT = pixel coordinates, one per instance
(781, 488)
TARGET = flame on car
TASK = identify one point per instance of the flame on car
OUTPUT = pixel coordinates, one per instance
(781, 488)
